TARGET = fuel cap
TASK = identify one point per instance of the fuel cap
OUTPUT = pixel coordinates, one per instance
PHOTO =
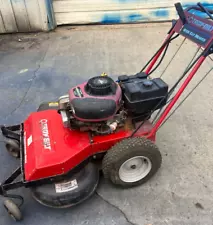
(147, 83)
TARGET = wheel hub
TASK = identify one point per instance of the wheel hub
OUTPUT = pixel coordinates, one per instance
(135, 169)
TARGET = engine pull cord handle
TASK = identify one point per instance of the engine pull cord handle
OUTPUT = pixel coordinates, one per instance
(180, 12)
(205, 10)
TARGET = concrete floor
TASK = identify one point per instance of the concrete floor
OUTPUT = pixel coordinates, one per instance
(40, 67)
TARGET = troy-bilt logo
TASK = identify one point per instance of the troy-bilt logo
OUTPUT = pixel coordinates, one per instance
(201, 24)
(45, 134)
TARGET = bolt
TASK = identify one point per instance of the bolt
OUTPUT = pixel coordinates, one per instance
(133, 167)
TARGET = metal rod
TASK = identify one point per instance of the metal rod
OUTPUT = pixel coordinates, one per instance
(158, 54)
(9, 133)
(187, 96)
(7, 187)
(19, 197)
(176, 97)
(14, 175)
(205, 10)
(173, 57)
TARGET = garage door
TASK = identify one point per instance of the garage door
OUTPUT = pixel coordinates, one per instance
(26, 16)
(115, 11)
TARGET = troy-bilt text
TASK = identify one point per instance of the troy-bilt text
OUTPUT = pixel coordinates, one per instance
(45, 134)
(200, 24)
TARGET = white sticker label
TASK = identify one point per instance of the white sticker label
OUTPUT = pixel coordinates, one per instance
(29, 140)
(66, 186)
(25, 149)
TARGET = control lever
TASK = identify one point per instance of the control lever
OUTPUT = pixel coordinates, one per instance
(205, 10)
(180, 12)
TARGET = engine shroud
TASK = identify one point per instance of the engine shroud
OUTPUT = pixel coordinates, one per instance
(96, 100)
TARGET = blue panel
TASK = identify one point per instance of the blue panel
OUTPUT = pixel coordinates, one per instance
(196, 35)
(162, 13)
(109, 19)
(134, 17)
(148, 14)
(50, 14)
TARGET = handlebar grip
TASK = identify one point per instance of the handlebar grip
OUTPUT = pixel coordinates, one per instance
(198, 9)
(205, 10)
(180, 12)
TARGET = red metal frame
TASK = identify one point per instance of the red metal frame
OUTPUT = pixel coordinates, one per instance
(152, 63)
(176, 97)
(177, 29)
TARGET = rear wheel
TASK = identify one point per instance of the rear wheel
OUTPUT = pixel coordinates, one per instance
(131, 162)
(12, 147)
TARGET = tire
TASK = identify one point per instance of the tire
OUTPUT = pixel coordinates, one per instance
(131, 162)
(13, 210)
(60, 195)
(12, 147)
(47, 105)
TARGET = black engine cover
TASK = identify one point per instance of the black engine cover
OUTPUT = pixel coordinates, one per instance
(142, 95)
(93, 108)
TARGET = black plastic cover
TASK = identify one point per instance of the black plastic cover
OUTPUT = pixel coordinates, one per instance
(143, 95)
(125, 78)
(93, 108)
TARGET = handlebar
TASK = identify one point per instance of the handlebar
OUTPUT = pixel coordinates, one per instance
(200, 8)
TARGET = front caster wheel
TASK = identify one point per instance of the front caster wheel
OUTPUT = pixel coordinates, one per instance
(13, 210)
(13, 148)
(131, 162)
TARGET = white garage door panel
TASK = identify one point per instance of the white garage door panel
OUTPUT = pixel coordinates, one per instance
(21, 15)
(116, 11)
(61, 6)
(2, 28)
(25, 15)
(8, 17)
(109, 17)
(35, 15)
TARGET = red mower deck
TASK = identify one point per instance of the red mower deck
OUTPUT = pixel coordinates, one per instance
(52, 150)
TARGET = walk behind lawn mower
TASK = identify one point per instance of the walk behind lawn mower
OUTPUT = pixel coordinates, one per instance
(101, 125)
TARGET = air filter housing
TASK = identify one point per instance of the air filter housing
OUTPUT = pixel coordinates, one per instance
(101, 86)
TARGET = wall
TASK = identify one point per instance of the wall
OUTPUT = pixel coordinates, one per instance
(44, 15)
(26, 15)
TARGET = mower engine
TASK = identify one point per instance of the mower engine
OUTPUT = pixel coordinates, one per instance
(102, 105)
(95, 105)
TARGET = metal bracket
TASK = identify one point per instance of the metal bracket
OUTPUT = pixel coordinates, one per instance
(209, 50)
(9, 132)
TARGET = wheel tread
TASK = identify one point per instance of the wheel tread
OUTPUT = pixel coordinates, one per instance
(122, 147)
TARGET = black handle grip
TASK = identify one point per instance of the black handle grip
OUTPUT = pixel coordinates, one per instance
(205, 10)
(180, 12)
(198, 9)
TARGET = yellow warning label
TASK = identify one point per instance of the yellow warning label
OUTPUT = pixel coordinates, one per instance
(53, 103)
